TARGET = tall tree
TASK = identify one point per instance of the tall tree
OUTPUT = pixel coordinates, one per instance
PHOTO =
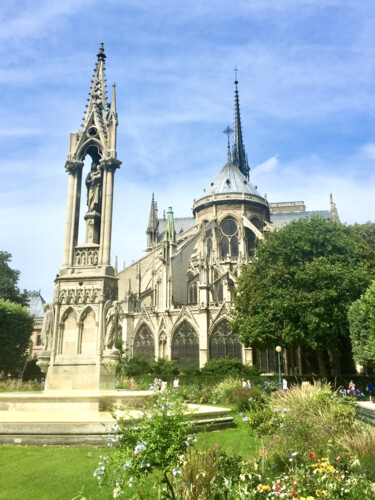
(362, 327)
(16, 326)
(299, 289)
(8, 281)
(365, 237)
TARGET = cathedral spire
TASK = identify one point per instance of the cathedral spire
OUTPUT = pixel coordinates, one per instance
(170, 232)
(239, 157)
(153, 225)
(97, 107)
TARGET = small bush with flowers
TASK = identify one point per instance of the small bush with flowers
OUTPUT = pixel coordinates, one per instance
(154, 441)
(313, 418)
(315, 480)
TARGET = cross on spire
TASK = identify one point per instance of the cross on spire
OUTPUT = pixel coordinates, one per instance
(228, 131)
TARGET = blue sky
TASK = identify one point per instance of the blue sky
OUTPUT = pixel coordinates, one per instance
(306, 82)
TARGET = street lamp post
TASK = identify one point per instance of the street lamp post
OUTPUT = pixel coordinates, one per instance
(278, 350)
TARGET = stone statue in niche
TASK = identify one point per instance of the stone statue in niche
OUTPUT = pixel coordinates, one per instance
(94, 188)
(112, 326)
(47, 327)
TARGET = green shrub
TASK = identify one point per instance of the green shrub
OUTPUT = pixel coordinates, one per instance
(137, 365)
(152, 442)
(192, 369)
(204, 474)
(228, 366)
(163, 367)
(224, 390)
(313, 419)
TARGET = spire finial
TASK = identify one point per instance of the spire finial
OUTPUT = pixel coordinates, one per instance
(101, 55)
(239, 157)
(228, 131)
(235, 74)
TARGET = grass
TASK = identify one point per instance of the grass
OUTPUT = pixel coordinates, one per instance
(62, 473)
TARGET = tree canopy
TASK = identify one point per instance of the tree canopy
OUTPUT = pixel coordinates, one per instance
(16, 326)
(362, 327)
(8, 281)
(299, 289)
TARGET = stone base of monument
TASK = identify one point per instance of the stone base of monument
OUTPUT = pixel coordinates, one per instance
(57, 401)
(66, 420)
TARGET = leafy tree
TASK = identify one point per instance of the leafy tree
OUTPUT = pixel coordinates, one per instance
(365, 237)
(362, 327)
(16, 326)
(8, 281)
(298, 291)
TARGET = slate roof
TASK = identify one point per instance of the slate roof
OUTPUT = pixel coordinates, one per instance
(281, 219)
(181, 224)
(36, 302)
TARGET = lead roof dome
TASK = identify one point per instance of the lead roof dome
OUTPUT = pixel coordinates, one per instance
(230, 180)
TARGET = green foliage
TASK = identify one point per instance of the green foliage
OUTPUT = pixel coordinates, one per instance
(298, 291)
(32, 371)
(364, 234)
(16, 326)
(192, 369)
(137, 365)
(362, 327)
(163, 367)
(154, 440)
(311, 419)
(8, 281)
(226, 366)
(205, 474)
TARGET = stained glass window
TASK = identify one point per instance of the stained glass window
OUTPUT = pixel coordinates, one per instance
(185, 345)
(144, 343)
(224, 343)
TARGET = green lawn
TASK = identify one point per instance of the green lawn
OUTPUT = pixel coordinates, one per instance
(61, 473)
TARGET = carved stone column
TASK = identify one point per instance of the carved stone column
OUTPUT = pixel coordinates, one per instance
(72, 210)
(109, 167)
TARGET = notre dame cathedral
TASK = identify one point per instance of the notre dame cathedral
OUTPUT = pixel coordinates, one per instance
(174, 301)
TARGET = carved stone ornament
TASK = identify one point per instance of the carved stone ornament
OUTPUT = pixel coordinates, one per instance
(43, 360)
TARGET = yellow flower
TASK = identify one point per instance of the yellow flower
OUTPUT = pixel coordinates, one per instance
(266, 487)
(256, 466)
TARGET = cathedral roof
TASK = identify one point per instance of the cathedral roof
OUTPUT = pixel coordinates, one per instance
(36, 302)
(230, 180)
(280, 220)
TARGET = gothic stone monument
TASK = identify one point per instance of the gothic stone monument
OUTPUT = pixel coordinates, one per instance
(81, 326)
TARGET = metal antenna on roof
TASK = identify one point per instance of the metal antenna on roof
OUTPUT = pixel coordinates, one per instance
(228, 131)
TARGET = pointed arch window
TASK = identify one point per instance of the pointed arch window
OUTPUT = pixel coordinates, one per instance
(192, 290)
(250, 240)
(185, 345)
(144, 343)
(229, 239)
(224, 343)
(163, 345)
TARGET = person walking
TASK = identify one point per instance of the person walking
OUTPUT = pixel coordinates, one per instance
(370, 390)
(176, 383)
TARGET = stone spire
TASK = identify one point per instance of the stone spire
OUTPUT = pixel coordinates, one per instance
(333, 213)
(153, 225)
(170, 233)
(97, 106)
(239, 157)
